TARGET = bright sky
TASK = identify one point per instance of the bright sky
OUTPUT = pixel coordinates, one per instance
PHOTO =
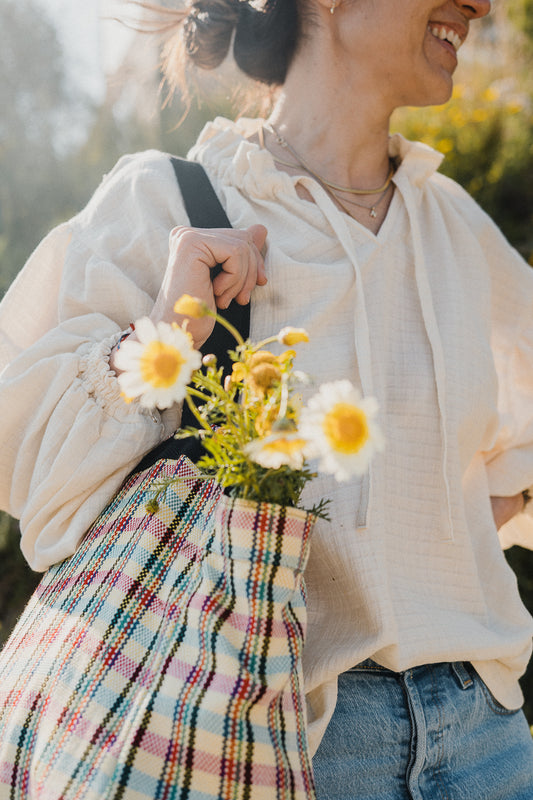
(92, 45)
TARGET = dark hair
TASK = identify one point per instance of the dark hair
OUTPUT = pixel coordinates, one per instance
(264, 38)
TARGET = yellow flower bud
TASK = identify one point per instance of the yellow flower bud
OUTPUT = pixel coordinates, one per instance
(191, 306)
(290, 336)
(152, 506)
(286, 356)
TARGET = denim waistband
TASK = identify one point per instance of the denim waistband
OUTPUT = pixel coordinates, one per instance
(461, 669)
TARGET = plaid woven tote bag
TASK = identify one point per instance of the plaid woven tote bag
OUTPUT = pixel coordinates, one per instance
(163, 659)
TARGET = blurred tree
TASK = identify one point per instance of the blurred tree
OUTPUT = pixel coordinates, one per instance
(47, 175)
(37, 108)
(35, 104)
(520, 14)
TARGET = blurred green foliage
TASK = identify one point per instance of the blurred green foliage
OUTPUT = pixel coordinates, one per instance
(485, 133)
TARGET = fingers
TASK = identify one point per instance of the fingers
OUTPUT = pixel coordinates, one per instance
(193, 253)
(242, 270)
(259, 235)
(237, 251)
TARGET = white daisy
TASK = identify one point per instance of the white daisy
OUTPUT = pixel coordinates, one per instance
(341, 428)
(278, 450)
(158, 367)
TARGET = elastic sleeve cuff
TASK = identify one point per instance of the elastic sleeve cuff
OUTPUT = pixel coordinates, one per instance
(100, 381)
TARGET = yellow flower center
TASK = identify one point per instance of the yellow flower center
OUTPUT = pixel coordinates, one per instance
(261, 357)
(346, 428)
(161, 365)
(263, 372)
(263, 377)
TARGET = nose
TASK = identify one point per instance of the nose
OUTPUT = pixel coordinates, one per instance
(474, 9)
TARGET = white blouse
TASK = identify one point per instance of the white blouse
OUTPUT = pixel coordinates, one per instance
(433, 316)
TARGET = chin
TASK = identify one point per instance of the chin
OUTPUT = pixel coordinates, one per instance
(434, 96)
(443, 95)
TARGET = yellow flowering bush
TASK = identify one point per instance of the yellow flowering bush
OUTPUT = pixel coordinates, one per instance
(485, 133)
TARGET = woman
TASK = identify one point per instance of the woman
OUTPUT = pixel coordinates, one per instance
(417, 635)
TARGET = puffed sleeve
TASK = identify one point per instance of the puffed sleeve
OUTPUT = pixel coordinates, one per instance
(68, 439)
(510, 461)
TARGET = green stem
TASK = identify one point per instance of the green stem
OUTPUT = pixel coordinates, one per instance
(196, 413)
(234, 332)
(259, 346)
(196, 393)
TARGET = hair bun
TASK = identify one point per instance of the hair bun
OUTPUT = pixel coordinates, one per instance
(207, 31)
(266, 39)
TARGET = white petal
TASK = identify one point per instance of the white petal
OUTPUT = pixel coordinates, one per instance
(131, 384)
(145, 330)
(129, 354)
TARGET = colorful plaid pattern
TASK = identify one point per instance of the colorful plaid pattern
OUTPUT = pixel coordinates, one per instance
(163, 659)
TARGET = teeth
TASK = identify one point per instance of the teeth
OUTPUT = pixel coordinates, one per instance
(446, 33)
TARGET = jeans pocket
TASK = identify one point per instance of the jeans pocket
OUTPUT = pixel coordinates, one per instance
(492, 702)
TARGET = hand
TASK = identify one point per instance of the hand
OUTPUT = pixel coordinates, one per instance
(505, 508)
(193, 253)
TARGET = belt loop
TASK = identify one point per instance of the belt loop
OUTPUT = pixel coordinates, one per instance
(462, 674)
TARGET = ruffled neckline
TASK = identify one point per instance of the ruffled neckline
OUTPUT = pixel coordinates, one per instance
(225, 150)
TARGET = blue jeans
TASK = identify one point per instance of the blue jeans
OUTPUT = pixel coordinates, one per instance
(430, 733)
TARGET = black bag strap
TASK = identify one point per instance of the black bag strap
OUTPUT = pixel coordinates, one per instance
(204, 211)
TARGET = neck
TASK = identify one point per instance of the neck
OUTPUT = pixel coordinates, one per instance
(339, 127)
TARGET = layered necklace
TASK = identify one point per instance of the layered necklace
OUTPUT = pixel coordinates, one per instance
(333, 189)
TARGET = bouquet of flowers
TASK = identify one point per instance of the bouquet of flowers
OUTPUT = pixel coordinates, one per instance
(257, 434)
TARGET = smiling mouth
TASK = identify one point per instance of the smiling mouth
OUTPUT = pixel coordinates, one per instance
(446, 34)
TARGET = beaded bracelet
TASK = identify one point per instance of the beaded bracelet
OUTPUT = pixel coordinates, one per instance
(125, 335)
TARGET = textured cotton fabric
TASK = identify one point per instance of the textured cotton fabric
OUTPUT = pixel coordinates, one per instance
(433, 316)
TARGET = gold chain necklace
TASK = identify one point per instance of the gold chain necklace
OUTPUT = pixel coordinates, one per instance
(301, 163)
(331, 188)
(371, 209)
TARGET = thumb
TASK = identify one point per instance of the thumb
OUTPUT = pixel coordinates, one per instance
(259, 235)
